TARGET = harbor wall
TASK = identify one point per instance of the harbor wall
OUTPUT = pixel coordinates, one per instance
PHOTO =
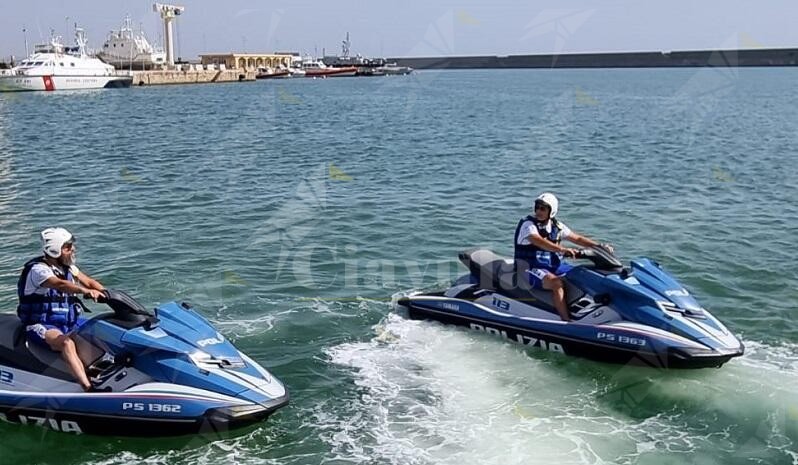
(193, 76)
(700, 58)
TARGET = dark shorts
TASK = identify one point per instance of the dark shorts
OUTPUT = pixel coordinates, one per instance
(536, 275)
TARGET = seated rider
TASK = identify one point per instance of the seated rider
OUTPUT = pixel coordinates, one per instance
(538, 251)
(47, 305)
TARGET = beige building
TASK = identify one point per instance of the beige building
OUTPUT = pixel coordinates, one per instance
(247, 60)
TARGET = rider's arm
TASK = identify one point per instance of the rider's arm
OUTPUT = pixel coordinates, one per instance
(546, 244)
(64, 286)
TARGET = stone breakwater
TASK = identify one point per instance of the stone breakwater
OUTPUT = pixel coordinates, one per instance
(675, 59)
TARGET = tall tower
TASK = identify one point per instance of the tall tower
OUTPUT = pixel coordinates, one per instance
(345, 47)
(168, 14)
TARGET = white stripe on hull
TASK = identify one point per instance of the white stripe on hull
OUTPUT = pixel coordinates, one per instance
(169, 389)
(269, 387)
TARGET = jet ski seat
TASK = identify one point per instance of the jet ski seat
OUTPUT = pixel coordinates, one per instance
(498, 273)
(16, 351)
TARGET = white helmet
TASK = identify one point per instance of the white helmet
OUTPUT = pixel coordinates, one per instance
(551, 200)
(55, 238)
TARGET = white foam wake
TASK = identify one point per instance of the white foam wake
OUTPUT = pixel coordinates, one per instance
(432, 394)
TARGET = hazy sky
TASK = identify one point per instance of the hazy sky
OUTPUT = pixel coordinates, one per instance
(431, 28)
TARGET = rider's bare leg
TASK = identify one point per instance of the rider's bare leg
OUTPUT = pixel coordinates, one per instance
(64, 344)
(554, 284)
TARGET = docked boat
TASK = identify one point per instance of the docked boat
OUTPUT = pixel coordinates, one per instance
(272, 73)
(295, 72)
(317, 69)
(392, 69)
(126, 48)
(165, 372)
(281, 72)
(52, 66)
(366, 66)
(637, 314)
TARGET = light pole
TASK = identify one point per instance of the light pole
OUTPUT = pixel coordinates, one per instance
(25, 33)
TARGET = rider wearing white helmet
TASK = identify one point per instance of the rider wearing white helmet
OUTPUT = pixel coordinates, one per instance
(538, 251)
(46, 290)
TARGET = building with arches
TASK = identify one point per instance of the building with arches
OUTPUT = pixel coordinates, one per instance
(248, 61)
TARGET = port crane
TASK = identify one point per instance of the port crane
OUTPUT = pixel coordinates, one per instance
(168, 14)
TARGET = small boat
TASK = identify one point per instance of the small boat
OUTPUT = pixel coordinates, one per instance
(317, 69)
(52, 66)
(392, 69)
(272, 73)
(295, 72)
(282, 72)
(370, 72)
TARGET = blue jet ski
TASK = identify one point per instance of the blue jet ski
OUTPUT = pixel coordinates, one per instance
(637, 314)
(161, 373)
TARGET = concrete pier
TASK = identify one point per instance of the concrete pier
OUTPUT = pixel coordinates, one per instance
(191, 75)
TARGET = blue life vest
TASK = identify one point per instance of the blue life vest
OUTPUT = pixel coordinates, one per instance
(53, 308)
(532, 256)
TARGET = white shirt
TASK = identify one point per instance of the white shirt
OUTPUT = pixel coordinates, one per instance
(41, 272)
(529, 228)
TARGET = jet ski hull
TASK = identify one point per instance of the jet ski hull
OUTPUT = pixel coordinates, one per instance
(577, 340)
(129, 414)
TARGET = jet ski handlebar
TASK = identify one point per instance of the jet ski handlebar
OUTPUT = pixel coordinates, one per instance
(123, 305)
(602, 258)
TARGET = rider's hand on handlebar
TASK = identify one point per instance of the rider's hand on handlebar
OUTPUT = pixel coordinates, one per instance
(571, 252)
(93, 294)
(608, 247)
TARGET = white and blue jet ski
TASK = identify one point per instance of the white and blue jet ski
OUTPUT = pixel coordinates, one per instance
(637, 314)
(161, 373)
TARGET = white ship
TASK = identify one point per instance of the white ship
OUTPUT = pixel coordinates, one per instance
(55, 67)
(128, 49)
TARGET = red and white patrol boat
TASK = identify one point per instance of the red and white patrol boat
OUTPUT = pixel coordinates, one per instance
(317, 69)
(53, 66)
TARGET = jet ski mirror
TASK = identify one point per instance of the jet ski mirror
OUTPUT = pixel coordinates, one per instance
(602, 258)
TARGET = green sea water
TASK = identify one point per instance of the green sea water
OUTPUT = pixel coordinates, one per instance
(292, 213)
